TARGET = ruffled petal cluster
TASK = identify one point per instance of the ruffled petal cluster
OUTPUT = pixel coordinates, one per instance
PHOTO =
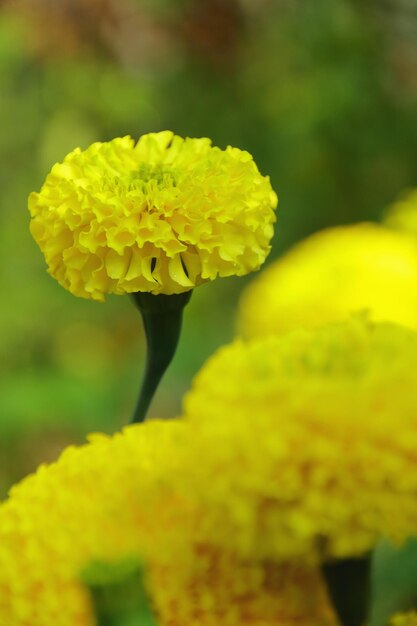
(307, 443)
(112, 500)
(162, 215)
(329, 276)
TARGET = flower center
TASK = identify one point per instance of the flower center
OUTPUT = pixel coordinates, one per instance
(146, 178)
(162, 175)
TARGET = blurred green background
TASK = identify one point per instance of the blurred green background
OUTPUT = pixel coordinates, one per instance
(323, 93)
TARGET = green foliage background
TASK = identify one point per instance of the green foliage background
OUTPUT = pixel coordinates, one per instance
(323, 93)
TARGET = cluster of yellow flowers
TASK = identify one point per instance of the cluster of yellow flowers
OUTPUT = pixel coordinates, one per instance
(293, 450)
(161, 216)
(230, 520)
(112, 499)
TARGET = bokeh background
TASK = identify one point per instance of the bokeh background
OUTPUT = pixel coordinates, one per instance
(323, 93)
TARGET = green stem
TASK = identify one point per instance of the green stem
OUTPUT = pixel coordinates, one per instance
(348, 585)
(119, 598)
(162, 321)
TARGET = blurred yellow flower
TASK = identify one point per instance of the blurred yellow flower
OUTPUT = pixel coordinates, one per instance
(161, 216)
(330, 275)
(313, 439)
(86, 507)
(112, 500)
(404, 619)
(402, 214)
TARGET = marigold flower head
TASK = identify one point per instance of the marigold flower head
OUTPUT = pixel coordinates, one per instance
(313, 438)
(330, 275)
(112, 500)
(161, 216)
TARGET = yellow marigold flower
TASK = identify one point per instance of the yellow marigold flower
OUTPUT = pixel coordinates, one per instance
(402, 214)
(86, 507)
(113, 499)
(404, 619)
(160, 216)
(313, 438)
(330, 275)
